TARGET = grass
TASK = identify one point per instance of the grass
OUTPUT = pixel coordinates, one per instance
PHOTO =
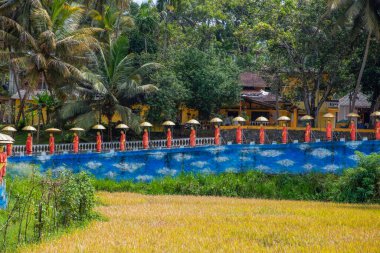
(143, 223)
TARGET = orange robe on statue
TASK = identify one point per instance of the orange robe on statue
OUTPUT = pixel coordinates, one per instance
(76, 144)
(217, 136)
(122, 141)
(329, 131)
(169, 138)
(29, 145)
(378, 130)
(3, 165)
(145, 140)
(192, 138)
(353, 131)
(262, 135)
(51, 145)
(238, 135)
(9, 149)
(98, 143)
(308, 133)
(284, 135)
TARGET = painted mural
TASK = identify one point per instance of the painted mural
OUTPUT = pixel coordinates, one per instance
(145, 165)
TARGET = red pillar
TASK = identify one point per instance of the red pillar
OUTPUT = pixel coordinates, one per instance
(169, 138)
(29, 144)
(217, 135)
(193, 136)
(353, 130)
(146, 139)
(51, 144)
(9, 149)
(239, 138)
(3, 163)
(262, 134)
(76, 143)
(98, 142)
(308, 133)
(284, 134)
(377, 129)
(329, 130)
(122, 141)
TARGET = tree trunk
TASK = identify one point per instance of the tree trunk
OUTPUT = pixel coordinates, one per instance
(38, 127)
(146, 45)
(19, 95)
(358, 81)
(109, 118)
(277, 102)
(22, 105)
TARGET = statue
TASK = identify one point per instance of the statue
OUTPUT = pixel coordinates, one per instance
(353, 130)
(76, 143)
(29, 144)
(145, 139)
(51, 144)
(98, 142)
(169, 138)
(122, 141)
(217, 135)
(192, 137)
(377, 129)
(262, 134)
(284, 134)
(238, 135)
(329, 131)
(308, 132)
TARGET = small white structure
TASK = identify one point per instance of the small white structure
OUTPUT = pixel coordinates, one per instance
(362, 102)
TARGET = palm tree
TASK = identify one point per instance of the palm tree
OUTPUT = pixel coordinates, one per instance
(113, 22)
(41, 102)
(363, 14)
(50, 50)
(112, 83)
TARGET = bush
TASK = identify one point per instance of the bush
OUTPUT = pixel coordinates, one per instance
(43, 205)
(361, 184)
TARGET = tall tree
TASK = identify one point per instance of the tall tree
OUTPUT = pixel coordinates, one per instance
(361, 14)
(112, 82)
(43, 52)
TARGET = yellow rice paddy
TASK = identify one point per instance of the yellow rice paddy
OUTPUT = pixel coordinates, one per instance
(140, 223)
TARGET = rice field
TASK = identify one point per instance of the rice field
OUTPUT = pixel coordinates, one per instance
(141, 223)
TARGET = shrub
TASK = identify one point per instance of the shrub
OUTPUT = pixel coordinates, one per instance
(42, 205)
(361, 184)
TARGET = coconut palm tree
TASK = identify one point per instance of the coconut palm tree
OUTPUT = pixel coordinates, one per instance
(112, 83)
(40, 103)
(50, 49)
(363, 14)
(114, 22)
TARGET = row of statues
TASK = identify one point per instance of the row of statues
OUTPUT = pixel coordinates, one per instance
(192, 137)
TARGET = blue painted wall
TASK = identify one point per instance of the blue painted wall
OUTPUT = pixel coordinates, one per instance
(145, 165)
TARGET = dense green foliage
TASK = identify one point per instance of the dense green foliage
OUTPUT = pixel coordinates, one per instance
(361, 184)
(41, 206)
(354, 185)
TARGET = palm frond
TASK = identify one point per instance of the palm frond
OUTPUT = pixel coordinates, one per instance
(87, 120)
(71, 109)
(60, 67)
(40, 20)
(132, 119)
